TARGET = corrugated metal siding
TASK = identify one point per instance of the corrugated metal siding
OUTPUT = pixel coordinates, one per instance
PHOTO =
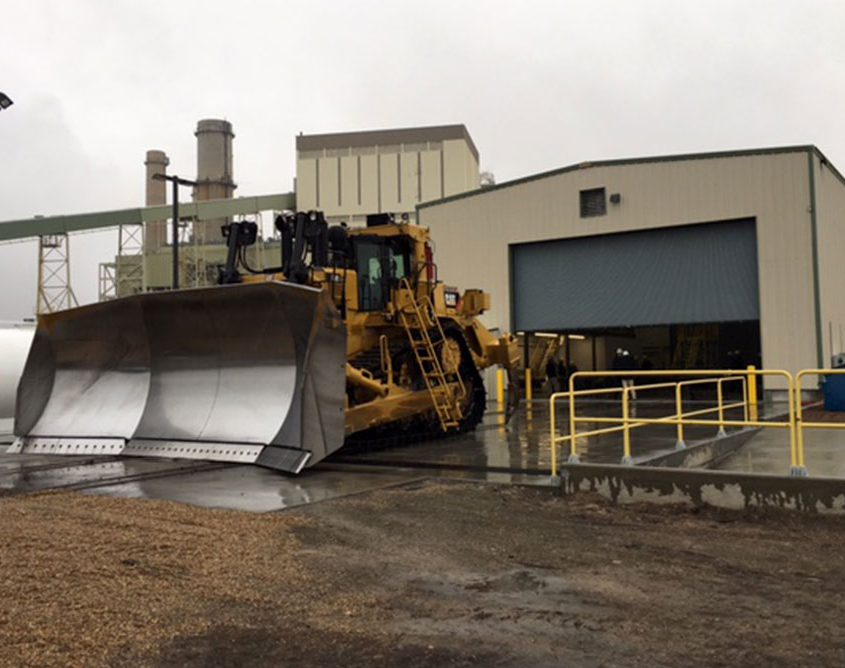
(692, 274)
(830, 221)
(391, 179)
(472, 234)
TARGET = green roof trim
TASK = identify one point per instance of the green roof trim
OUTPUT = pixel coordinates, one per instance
(679, 157)
(208, 210)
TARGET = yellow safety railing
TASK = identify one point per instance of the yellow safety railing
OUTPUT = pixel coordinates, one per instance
(800, 424)
(721, 407)
(626, 423)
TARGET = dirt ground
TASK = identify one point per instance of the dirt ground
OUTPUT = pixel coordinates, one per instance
(439, 574)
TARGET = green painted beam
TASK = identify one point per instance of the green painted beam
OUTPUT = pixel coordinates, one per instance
(217, 208)
(220, 208)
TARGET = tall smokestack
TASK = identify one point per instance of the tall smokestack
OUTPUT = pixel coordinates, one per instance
(215, 175)
(155, 236)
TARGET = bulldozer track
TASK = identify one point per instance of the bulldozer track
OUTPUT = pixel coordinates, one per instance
(380, 438)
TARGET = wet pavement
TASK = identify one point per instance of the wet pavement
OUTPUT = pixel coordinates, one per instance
(768, 452)
(517, 452)
(522, 445)
(207, 484)
(259, 490)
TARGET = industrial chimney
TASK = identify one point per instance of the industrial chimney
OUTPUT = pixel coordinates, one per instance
(214, 172)
(155, 235)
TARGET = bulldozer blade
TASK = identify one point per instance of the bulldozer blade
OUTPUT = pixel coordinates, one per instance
(251, 373)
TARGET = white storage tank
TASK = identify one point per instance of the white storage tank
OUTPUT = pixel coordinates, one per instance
(14, 347)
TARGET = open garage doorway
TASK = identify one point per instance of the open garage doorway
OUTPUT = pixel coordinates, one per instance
(681, 297)
(727, 345)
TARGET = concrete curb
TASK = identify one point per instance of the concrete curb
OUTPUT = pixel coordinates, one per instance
(702, 454)
(724, 489)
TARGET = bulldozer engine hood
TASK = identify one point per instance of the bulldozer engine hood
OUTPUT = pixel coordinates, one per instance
(251, 373)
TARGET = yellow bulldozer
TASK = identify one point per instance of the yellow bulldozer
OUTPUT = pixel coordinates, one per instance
(352, 337)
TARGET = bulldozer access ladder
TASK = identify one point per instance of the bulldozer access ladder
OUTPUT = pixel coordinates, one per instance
(445, 386)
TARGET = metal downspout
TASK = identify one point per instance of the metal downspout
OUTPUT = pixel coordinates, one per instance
(811, 168)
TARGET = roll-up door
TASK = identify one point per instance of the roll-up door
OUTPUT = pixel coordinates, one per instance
(675, 275)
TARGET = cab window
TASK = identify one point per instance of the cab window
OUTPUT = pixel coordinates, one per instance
(380, 263)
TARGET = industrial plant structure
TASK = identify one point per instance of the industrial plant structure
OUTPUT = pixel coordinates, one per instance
(143, 262)
(349, 175)
(346, 175)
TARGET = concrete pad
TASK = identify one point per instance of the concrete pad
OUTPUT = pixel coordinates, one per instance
(25, 475)
(523, 444)
(211, 485)
(768, 452)
(257, 490)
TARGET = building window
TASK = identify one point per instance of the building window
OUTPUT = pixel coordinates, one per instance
(593, 202)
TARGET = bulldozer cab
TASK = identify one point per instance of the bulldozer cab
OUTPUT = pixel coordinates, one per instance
(380, 262)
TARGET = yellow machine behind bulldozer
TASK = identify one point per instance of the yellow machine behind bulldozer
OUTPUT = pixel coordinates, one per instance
(351, 338)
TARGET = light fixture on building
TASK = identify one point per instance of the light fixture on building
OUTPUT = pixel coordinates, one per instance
(5, 101)
(549, 335)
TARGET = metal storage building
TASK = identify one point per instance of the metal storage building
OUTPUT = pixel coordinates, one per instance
(748, 245)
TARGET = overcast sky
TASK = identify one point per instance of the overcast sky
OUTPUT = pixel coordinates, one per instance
(539, 84)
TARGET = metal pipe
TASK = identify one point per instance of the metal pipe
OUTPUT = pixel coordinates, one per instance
(695, 373)
(823, 425)
(357, 377)
(752, 392)
(553, 434)
(500, 390)
(669, 419)
(176, 181)
(745, 398)
(644, 422)
(175, 254)
(526, 350)
(573, 445)
(680, 444)
(796, 432)
(529, 391)
(626, 434)
(673, 419)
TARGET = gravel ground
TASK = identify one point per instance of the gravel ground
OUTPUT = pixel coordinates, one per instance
(439, 574)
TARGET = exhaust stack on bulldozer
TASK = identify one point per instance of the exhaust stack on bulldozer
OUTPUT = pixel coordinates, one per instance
(352, 337)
